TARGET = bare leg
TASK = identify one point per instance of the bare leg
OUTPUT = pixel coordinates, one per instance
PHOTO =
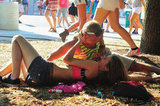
(81, 15)
(138, 22)
(107, 28)
(81, 18)
(73, 26)
(6, 69)
(59, 20)
(48, 19)
(72, 18)
(21, 49)
(40, 11)
(100, 15)
(114, 22)
(88, 17)
(136, 27)
(53, 13)
(24, 70)
(135, 17)
(65, 19)
(143, 67)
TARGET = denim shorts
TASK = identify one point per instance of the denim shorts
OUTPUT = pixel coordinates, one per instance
(62, 11)
(40, 72)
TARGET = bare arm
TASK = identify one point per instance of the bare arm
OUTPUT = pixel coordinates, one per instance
(144, 78)
(62, 50)
(139, 78)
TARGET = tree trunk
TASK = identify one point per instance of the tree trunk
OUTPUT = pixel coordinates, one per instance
(150, 40)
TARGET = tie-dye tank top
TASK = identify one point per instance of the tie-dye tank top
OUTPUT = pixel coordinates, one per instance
(87, 53)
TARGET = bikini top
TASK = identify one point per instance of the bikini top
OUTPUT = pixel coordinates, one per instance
(78, 73)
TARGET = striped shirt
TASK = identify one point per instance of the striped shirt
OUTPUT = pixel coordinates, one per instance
(52, 4)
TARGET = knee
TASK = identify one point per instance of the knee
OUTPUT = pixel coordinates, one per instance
(132, 20)
(54, 17)
(137, 21)
(46, 15)
(17, 37)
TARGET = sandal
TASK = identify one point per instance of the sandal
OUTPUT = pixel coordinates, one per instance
(52, 30)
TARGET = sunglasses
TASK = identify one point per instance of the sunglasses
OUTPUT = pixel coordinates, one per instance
(96, 33)
(90, 33)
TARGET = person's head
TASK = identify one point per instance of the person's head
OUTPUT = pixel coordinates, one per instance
(91, 32)
(114, 69)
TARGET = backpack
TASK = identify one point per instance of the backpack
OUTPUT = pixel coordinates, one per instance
(131, 90)
(24, 2)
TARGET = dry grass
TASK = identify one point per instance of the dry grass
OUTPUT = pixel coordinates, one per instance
(39, 96)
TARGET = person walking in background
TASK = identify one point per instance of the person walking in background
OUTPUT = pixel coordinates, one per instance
(81, 6)
(110, 9)
(107, 27)
(89, 9)
(62, 10)
(129, 5)
(20, 8)
(40, 6)
(25, 6)
(51, 7)
(136, 10)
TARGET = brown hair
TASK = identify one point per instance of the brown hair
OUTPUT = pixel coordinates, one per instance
(92, 26)
(117, 71)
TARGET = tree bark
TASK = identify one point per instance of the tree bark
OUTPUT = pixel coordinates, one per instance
(150, 40)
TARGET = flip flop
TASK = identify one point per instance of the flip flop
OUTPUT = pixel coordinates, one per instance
(52, 30)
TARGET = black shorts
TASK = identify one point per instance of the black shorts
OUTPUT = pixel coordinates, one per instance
(40, 72)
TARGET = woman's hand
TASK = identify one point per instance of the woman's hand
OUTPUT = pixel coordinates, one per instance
(80, 37)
